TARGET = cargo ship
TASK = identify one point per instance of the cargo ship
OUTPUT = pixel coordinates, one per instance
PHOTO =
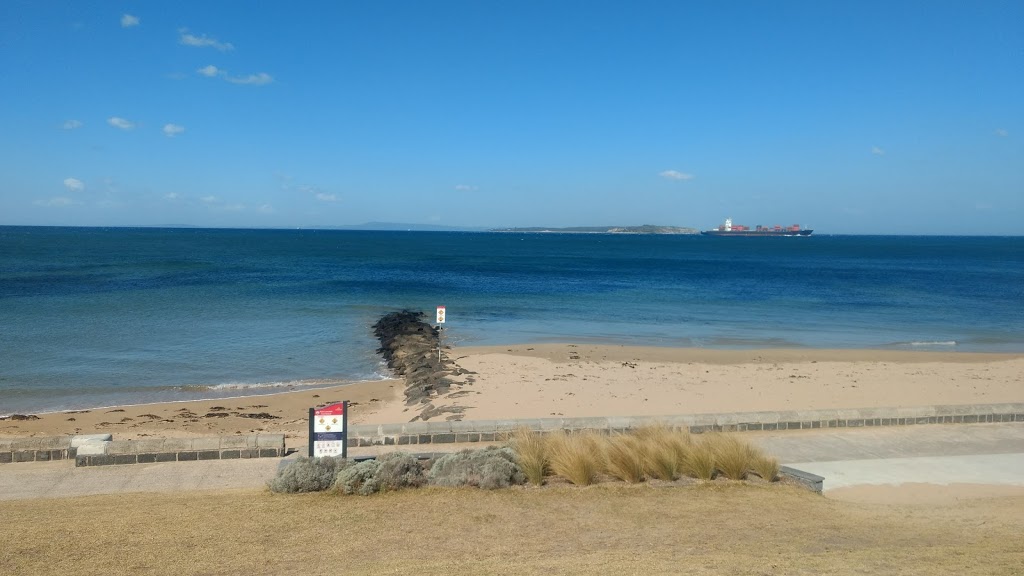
(730, 229)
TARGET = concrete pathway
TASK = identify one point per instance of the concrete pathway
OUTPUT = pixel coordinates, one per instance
(936, 454)
(991, 454)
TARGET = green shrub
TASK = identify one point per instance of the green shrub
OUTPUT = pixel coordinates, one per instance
(392, 471)
(307, 475)
(489, 468)
(531, 454)
(357, 479)
(397, 470)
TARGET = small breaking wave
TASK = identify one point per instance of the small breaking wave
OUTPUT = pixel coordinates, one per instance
(936, 343)
(308, 383)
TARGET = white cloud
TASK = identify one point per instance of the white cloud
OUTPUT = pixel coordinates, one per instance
(234, 207)
(466, 188)
(127, 21)
(326, 197)
(202, 41)
(1002, 132)
(254, 79)
(172, 130)
(72, 125)
(209, 71)
(877, 151)
(56, 202)
(675, 175)
(209, 199)
(120, 123)
(74, 184)
(266, 209)
(171, 196)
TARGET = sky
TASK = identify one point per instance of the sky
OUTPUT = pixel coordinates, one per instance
(849, 117)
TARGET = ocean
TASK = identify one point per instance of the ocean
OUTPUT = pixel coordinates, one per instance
(95, 317)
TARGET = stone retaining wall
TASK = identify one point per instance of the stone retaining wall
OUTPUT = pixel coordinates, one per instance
(100, 450)
(36, 449)
(496, 430)
(180, 449)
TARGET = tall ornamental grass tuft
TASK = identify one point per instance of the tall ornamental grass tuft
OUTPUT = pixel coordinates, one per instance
(624, 458)
(699, 461)
(531, 450)
(663, 450)
(576, 457)
(733, 457)
(766, 467)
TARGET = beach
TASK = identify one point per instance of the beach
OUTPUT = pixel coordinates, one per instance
(582, 380)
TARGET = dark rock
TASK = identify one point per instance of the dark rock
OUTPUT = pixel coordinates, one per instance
(260, 416)
(24, 417)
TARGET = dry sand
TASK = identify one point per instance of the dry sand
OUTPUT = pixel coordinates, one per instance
(543, 380)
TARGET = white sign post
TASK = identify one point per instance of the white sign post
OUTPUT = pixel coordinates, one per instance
(440, 320)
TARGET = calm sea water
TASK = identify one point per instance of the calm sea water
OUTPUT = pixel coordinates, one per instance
(92, 317)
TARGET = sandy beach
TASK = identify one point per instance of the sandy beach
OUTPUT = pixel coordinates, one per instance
(543, 380)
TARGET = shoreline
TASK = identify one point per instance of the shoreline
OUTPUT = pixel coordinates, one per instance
(580, 380)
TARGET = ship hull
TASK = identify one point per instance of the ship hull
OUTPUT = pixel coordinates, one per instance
(757, 232)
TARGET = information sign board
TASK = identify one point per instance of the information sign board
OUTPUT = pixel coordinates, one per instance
(328, 430)
(440, 314)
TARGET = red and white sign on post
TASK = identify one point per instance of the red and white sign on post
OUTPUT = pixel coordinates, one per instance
(328, 431)
(440, 314)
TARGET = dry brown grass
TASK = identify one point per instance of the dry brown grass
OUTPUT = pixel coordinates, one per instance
(623, 458)
(709, 528)
(576, 457)
(531, 451)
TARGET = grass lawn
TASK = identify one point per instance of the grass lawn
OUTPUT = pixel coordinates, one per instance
(718, 527)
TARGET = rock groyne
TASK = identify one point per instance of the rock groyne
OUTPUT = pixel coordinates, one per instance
(410, 347)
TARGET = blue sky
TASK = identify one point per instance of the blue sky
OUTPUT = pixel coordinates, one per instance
(848, 117)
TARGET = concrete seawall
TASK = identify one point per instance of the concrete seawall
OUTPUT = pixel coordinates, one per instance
(495, 430)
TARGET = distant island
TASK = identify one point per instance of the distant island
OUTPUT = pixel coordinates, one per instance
(645, 229)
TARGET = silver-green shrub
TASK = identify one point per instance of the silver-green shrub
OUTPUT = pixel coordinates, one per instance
(489, 468)
(307, 475)
(399, 470)
(392, 471)
(357, 479)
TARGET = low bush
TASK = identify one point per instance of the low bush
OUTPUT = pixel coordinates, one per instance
(489, 468)
(398, 470)
(357, 479)
(392, 471)
(531, 454)
(575, 457)
(307, 475)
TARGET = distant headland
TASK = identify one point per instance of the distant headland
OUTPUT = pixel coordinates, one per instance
(644, 229)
